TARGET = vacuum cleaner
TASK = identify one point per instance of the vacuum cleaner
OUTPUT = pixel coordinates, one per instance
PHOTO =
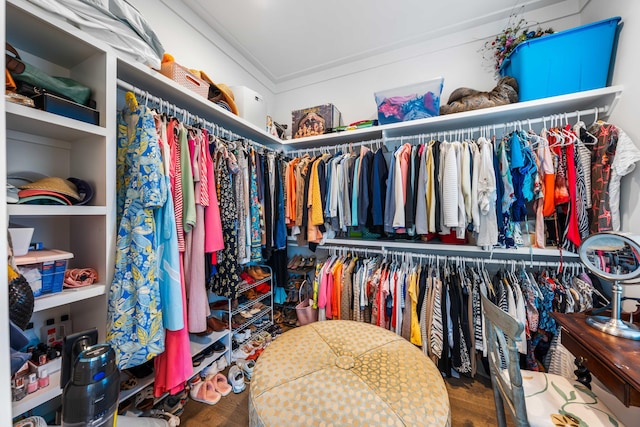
(90, 396)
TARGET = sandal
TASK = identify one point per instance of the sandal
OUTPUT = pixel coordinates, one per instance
(204, 392)
(144, 399)
(220, 384)
(129, 383)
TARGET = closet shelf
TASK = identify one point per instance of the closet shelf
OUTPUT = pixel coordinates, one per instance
(68, 296)
(604, 98)
(198, 343)
(451, 250)
(161, 86)
(48, 210)
(39, 397)
(37, 122)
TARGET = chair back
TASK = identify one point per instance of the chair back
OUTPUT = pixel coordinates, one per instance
(502, 332)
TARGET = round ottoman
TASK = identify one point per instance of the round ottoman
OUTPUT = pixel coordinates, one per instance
(344, 373)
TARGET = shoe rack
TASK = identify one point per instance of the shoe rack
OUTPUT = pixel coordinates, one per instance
(254, 310)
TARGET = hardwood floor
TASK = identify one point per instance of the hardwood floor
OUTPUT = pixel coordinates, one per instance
(471, 406)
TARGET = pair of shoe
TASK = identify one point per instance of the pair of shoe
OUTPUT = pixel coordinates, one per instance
(210, 389)
(215, 367)
(236, 379)
(241, 337)
(257, 272)
(247, 367)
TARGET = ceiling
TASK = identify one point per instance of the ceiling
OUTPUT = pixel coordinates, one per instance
(287, 39)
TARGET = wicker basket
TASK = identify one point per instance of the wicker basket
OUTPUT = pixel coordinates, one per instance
(180, 74)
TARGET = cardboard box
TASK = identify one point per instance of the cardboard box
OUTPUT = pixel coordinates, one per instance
(315, 120)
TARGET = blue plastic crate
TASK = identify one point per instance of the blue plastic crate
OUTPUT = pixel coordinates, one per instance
(569, 61)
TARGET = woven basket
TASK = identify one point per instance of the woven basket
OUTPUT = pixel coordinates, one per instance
(184, 77)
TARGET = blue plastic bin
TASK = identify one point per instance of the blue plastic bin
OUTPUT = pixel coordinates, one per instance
(569, 61)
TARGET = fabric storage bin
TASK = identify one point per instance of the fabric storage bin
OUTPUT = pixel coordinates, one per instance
(412, 102)
(51, 264)
(184, 77)
(569, 61)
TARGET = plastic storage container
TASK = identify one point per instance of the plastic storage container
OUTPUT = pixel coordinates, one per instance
(569, 61)
(51, 264)
(416, 101)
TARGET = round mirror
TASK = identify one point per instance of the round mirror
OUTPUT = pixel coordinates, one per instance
(611, 256)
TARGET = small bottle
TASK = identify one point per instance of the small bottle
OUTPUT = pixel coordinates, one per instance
(43, 381)
(48, 332)
(19, 390)
(32, 385)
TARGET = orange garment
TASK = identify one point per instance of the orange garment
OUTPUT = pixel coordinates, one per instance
(337, 288)
(290, 209)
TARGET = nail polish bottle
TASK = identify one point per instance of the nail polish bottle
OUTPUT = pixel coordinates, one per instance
(43, 381)
(19, 391)
(32, 385)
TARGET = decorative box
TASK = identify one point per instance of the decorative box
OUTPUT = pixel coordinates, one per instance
(315, 120)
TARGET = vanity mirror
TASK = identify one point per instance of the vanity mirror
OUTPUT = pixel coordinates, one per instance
(614, 257)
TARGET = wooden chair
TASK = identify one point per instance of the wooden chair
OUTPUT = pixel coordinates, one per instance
(534, 398)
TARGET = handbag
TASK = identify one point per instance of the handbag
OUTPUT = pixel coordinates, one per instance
(33, 76)
(304, 309)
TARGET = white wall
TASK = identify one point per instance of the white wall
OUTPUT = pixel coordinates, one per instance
(185, 36)
(456, 57)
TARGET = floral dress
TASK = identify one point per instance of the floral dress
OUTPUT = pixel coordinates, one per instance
(134, 314)
(227, 278)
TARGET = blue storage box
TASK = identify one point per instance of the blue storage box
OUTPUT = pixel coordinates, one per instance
(51, 263)
(416, 101)
(565, 62)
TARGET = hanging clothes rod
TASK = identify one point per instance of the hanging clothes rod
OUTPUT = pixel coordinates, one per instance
(447, 258)
(335, 148)
(215, 129)
(553, 120)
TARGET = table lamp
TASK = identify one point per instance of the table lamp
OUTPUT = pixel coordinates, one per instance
(614, 257)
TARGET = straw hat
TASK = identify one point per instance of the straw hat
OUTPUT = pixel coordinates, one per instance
(53, 183)
(226, 94)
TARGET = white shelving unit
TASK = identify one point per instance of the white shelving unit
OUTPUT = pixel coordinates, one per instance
(53, 145)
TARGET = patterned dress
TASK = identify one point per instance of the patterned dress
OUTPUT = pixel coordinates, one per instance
(134, 320)
(227, 278)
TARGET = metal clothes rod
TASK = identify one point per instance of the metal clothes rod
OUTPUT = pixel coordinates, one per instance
(215, 129)
(553, 120)
(334, 148)
(444, 258)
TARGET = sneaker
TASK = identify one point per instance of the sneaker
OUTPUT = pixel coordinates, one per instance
(211, 369)
(247, 367)
(221, 363)
(236, 379)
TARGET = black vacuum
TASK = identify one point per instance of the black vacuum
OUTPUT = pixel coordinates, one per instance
(90, 397)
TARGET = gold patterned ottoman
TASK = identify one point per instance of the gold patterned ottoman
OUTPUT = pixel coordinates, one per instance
(344, 373)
